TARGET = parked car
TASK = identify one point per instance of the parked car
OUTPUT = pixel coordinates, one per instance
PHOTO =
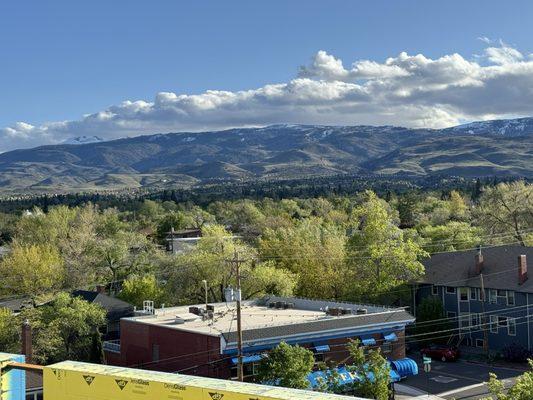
(441, 352)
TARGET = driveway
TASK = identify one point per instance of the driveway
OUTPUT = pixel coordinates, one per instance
(459, 380)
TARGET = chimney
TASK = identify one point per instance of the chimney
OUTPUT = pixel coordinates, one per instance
(100, 289)
(27, 341)
(479, 262)
(522, 269)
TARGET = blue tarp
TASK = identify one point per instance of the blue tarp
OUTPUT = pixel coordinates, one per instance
(405, 367)
(322, 348)
(344, 375)
(248, 359)
(390, 337)
(368, 341)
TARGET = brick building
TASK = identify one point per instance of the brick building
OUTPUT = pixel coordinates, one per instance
(190, 340)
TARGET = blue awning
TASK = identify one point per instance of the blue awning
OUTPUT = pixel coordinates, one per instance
(390, 337)
(368, 341)
(247, 359)
(405, 367)
(322, 348)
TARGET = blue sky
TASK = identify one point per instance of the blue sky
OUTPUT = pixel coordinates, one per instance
(64, 59)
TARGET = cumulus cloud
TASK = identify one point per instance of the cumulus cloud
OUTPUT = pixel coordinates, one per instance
(408, 90)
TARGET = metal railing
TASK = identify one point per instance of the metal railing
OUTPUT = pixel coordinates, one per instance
(112, 345)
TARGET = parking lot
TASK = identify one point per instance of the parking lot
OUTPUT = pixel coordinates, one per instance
(457, 380)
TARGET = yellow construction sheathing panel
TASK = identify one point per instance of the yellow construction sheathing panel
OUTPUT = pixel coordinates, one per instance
(71, 380)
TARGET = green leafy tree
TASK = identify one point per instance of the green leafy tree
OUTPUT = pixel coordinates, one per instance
(314, 251)
(522, 389)
(454, 235)
(33, 270)
(9, 331)
(431, 317)
(287, 366)
(372, 370)
(136, 289)
(380, 254)
(209, 260)
(507, 209)
(172, 220)
(96, 353)
(266, 279)
(65, 328)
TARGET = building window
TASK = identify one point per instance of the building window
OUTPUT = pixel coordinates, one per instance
(502, 293)
(386, 348)
(450, 290)
(250, 369)
(511, 327)
(493, 296)
(510, 298)
(494, 324)
(450, 314)
(474, 320)
(464, 321)
(434, 290)
(480, 343)
(463, 294)
(473, 294)
(502, 321)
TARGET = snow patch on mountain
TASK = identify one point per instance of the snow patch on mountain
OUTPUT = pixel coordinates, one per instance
(83, 140)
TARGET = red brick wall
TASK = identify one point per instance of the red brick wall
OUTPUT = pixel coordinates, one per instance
(198, 354)
(178, 350)
(340, 355)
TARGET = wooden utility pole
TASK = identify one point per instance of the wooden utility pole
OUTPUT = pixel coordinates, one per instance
(483, 319)
(236, 264)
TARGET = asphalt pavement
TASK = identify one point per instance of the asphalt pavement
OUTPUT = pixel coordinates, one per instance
(460, 380)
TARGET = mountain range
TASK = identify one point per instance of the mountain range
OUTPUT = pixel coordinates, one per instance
(488, 148)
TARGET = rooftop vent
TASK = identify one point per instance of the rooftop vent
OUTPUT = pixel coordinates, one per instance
(361, 311)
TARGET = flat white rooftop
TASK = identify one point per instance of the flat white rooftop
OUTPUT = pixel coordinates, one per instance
(256, 314)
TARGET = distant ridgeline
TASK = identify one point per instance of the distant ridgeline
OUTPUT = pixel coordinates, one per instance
(273, 153)
(295, 188)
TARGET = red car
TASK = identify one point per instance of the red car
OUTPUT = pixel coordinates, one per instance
(441, 352)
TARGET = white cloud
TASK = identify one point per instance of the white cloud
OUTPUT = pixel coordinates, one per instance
(409, 90)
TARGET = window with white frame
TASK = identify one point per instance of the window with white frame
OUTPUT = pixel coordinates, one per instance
(450, 290)
(473, 294)
(463, 294)
(493, 296)
(494, 324)
(480, 342)
(511, 327)
(464, 321)
(510, 298)
(502, 321)
(434, 290)
(474, 320)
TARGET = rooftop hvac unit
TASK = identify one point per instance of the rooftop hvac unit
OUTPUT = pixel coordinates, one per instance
(334, 311)
(194, 310)
(361, 311)
(290, 305)
(346, 311)
(272, 305)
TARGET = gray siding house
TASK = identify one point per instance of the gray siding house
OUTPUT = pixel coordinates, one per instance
(457, 278)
